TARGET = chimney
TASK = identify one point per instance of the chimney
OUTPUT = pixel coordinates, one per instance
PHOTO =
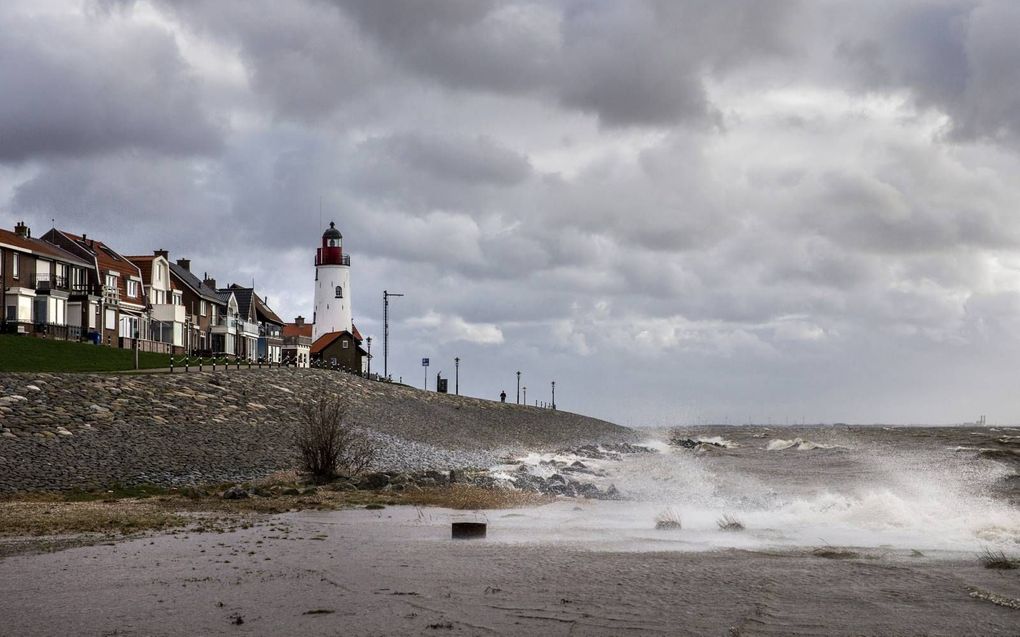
(161, 253)
(299, 321)
(210, 282)
(22, 230)
(185, 263)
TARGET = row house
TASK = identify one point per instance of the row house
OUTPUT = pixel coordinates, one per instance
(204, 309)
(38, 281)
(258, 329)
(223, 328)
(270, 332)
(67, 286)
(115, 290)
(167, 316)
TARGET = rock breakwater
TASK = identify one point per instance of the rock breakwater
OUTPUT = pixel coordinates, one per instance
(63, 431)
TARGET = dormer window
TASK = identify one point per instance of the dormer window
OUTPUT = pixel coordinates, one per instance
(339, 292)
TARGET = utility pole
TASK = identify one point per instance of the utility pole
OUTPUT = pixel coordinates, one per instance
(386, 332)
(369, 341)
(518, 388)
(554, 394)
(456, 375)
(525, 395)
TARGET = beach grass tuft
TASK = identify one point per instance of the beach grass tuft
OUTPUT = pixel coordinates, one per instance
(729, 523)
(998, 560)
(668, 520)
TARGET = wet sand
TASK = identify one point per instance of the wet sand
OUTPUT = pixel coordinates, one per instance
(396, 572)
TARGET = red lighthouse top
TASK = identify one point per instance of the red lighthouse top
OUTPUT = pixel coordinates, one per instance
(332, 250)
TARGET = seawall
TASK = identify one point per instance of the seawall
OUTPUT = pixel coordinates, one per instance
(61, 431)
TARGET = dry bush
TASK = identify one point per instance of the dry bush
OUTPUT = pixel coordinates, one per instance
(729, 523)
(668, 520)
(331, 447)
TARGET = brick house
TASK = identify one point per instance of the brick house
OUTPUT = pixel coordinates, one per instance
(37, 283)
(122, 303)
(340, 348)
(202, 304)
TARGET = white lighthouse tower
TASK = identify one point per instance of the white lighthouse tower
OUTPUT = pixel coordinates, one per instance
(332, 286)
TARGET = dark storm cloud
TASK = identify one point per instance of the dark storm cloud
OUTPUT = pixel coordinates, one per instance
(75, 86)
(959, 57)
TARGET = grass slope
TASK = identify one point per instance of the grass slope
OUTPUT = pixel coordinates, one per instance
(29, 354)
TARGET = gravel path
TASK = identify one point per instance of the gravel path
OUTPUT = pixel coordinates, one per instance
(60, 431)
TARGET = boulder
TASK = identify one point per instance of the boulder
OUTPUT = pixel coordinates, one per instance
(235, 493)
(373, 481)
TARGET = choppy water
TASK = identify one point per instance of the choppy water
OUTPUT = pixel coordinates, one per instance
(894, 490)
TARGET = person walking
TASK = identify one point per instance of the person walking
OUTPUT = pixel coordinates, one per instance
(502, 396)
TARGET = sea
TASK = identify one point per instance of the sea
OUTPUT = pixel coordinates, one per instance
(887, 491)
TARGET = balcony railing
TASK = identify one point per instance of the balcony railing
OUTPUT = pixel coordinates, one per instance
(47, 282)
(270, 331)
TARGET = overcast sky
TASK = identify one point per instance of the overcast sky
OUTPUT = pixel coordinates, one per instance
(682, 212)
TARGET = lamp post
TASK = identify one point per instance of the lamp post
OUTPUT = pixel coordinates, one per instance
(386, 332)
(369, 341)
(456, 375)
(525, 395)
(554, 394)
(518, 388)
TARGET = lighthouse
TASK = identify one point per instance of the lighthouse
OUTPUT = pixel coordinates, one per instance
(332, 286)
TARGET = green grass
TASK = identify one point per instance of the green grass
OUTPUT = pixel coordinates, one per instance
(30, 354)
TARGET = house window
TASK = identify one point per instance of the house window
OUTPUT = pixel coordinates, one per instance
(110, 321)
(111, 281)
(16, 265)
(345, 343)
(132, 288)
(339, 292)
(201, 308)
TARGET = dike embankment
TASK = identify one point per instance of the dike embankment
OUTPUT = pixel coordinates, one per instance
(65, 431)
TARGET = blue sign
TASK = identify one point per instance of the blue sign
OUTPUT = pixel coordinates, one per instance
(424, 362)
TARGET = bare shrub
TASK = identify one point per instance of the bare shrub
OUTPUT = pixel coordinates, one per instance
(330, 446)
(729, 523)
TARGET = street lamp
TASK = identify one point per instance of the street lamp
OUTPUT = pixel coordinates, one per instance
(386, 332)
(525, 396)
(369, 341)
(456, 375)
(518, 388)
(554, 394)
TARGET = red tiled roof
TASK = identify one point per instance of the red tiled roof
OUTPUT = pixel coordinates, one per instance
(41, 248)
(293, 329)
(109, 259)
(325, 341)
(357, 334)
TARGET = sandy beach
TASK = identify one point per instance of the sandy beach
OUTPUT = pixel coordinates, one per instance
(396, 572)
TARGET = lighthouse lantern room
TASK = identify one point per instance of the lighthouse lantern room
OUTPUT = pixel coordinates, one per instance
(332, 286)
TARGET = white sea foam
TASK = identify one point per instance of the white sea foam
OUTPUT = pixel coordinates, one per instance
(886, 503)
(801, 445)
